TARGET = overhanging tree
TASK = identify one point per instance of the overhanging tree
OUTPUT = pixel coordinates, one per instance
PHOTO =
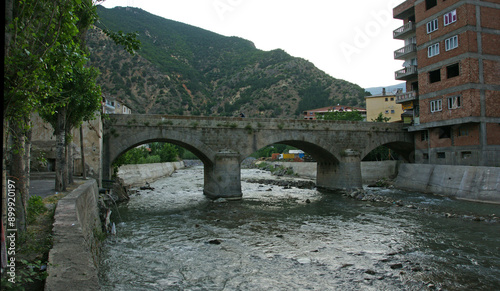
(42, 41)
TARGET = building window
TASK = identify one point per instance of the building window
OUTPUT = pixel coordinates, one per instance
(436, 105)
(466, 155)
(387, 112)
(450, 17)
(445, 132)
(452, 71)
(430, 3)
(392, 112)
(433, 50)
(392, 98)
(386, 99)
(435, 76)
(441, 155)
(424, 135)
(451, 43)
(454, 102)
(425, 156)
(432, 25)
(463, 131)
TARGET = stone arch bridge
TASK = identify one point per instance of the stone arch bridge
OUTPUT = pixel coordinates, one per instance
(222, 143)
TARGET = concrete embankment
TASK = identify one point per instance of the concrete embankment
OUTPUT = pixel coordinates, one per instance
(72, 259)
(462, 182)
(136, 175)
(370, 171)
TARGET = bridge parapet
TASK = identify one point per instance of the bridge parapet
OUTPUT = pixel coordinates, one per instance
(151, 120)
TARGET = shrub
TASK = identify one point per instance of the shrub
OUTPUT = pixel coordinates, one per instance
(35, 208)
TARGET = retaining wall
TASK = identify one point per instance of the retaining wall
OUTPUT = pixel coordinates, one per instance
(136, 175)
(72, 259)
(370, 171)
(462, 182)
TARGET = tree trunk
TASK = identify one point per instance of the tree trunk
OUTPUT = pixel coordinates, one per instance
(84, 172)
(18, 174)
(60, 145)
(9, 12)
(70, 163)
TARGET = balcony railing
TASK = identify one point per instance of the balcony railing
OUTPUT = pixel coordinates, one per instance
(405, 97)
(404, 31)
(406, 73)
(405, 51)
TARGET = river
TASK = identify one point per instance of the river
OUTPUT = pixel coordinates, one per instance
(285, 238)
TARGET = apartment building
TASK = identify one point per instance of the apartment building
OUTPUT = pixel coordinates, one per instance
(451, 57)
(385, 103)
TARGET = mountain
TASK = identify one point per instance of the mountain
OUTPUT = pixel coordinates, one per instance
(185, 70)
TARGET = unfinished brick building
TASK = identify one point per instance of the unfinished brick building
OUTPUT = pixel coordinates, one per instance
(452, 73)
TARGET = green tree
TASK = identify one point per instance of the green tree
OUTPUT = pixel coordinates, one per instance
(343, 115)
(43, 56)
(381, 118)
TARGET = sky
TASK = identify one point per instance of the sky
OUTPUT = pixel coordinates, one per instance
(349, 40)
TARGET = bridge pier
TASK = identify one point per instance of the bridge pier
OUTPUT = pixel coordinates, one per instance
(346, 174)
(223, 177)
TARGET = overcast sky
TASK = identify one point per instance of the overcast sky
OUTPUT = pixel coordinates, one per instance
(350, 40)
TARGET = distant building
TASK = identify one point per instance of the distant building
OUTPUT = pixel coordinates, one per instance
(314, 113)
(44, 142)
(452, 71)
(384, 103)
(114, 106)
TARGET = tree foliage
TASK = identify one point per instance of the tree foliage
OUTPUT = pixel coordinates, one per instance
(381, 118)
(156, 152)
(343, 115)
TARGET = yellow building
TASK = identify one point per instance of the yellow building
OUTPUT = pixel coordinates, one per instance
(383, 103)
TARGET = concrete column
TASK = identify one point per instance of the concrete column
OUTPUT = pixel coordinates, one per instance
(346, 174)
(223, 177)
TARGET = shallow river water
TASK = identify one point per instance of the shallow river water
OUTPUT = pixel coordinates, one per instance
(173, 238)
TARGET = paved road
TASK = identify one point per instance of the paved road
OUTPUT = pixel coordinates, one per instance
(42, 184)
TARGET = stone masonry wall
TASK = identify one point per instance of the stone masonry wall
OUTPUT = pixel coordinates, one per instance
(72, 259)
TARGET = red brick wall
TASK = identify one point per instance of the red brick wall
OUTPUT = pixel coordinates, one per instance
(491, 72)
(489, 17)
(421, 12)
(471, 139)
(471, 106)
(437, 142)
(419, 143)
(467, 42)
(469, 69)
(492, 103)
(491, 42)
(493, 133)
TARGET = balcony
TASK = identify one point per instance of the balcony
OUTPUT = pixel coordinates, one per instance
(406, 73)
(405, 52)
(406, 97)
(404, 10)
(404, 31)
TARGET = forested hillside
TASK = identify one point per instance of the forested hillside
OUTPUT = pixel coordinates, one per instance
(185, 70)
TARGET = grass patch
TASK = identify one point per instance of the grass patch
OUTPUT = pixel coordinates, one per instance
(33, 246)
